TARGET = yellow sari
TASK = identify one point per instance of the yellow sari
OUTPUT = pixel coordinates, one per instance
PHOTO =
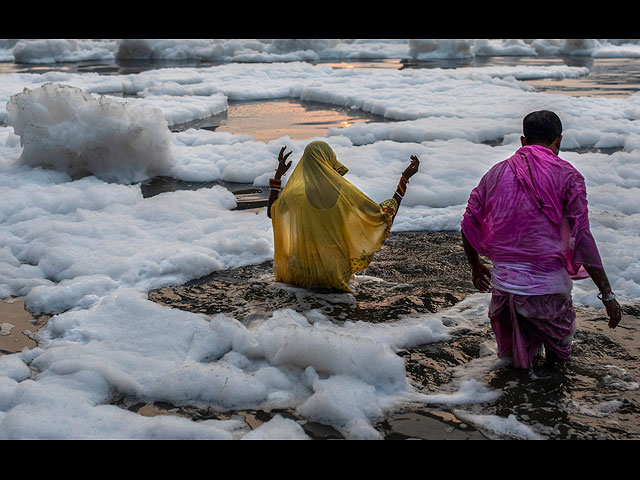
(324, 228)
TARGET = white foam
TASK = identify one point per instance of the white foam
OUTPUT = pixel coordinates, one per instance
(63, 128)
(278, 428)
(61, 50)
(500, 427)
(91, 250)
(345, 376)
(375, 152)
(286, 50)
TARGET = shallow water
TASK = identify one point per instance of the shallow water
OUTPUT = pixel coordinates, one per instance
(607, 76)
(596, 395)
(272, 119)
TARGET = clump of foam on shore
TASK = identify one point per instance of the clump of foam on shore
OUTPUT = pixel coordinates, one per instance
(63, 128)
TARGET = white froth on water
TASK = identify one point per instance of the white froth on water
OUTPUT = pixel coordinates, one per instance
(91, 248)
(500, 427)
(39, 51)
(62, 128)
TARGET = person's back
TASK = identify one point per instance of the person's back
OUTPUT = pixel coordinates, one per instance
(324, 228)
(517, 230)
(530, 205)
(529, 216)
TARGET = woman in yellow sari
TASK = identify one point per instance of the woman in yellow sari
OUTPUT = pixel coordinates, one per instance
(324, 228)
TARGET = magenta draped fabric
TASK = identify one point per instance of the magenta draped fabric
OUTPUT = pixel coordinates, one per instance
(530, 212)
(532, 208)
(521, 323)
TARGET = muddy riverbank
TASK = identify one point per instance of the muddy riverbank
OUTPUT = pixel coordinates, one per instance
(596, 396)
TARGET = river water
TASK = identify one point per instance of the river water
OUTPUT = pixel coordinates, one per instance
(596, 396)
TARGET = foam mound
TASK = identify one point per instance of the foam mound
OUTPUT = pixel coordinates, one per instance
(63, 128)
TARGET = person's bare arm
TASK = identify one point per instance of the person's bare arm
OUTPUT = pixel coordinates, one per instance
(586, 248)
(282, 168)
(612, 306)
(480, 274)
(408, 172)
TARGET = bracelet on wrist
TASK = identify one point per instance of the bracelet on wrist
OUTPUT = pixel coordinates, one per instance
(610, 296)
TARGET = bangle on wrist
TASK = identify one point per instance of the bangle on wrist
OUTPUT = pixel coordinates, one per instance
(610, 296)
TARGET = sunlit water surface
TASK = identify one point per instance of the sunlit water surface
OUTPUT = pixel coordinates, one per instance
(561, 403)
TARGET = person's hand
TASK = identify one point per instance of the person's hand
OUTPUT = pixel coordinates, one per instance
(481, 277)
(283, 166)
(613, 310)
(411, 170)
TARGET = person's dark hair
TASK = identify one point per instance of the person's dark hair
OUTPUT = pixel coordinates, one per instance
(541, 127)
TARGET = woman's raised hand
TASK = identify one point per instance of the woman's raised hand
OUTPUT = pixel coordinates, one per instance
(411, 170)
(282, 165)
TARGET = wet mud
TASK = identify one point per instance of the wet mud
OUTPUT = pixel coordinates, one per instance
(411, 273)
(17, 326)
(596, 395)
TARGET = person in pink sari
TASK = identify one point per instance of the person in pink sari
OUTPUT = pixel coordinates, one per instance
(529, 216)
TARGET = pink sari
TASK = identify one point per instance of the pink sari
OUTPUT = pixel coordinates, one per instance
(549, 227)
(532, 209)
(521, 323)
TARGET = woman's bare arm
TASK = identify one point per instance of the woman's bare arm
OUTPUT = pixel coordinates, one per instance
(283, 166)
(409, 172)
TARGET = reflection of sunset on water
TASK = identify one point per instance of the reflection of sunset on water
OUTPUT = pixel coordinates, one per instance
(273, 119)
(393, 64)
(159, 296)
